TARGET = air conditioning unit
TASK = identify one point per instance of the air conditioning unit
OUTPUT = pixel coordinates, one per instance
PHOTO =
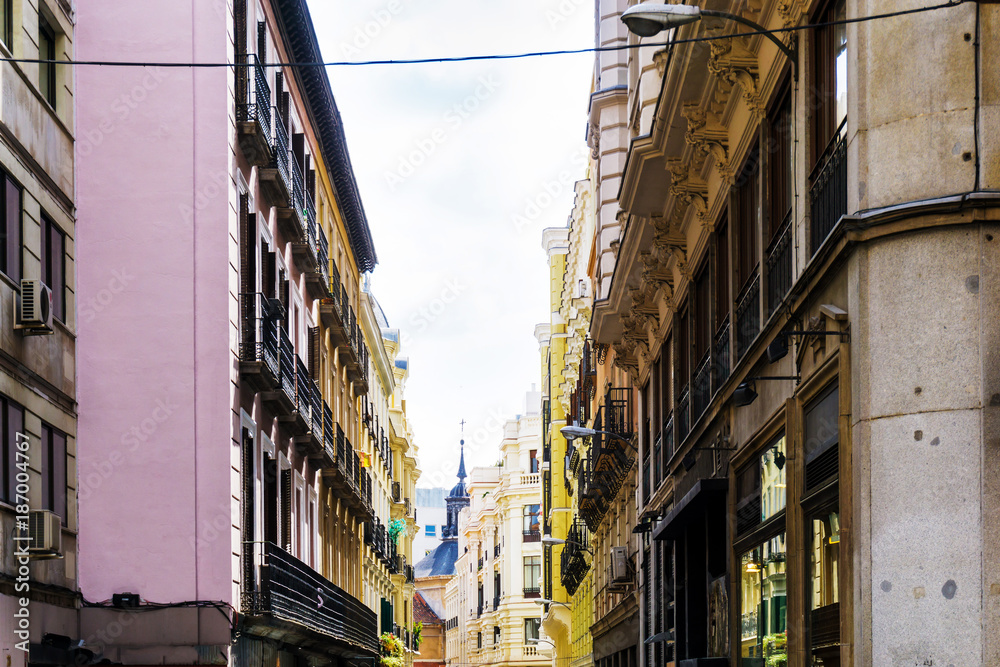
(33, 316)
(44, 533)
(621, 567)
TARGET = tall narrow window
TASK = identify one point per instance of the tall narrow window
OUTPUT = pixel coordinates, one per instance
(828, 179)
(54, 265)
(746, 201)
(532, 626)
(7, 23)
(10, 228)
(46, 51)
(53, 466)
(11, 423)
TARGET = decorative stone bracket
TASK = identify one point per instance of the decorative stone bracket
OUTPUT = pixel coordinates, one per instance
(708, 136)
(734, 64)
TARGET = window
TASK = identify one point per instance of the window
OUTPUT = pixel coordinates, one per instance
(46, 51)
(532, 627)
(496, 635)
(7, 23)
(745, 219)
(479, 640)
(828, 178)
(429, 531)
(11, 423)
(533, 461)
(531, 517)
(821, 437)
(53, 466)
(532, 572)
(10, 229)
(763, 606)
(54, 265)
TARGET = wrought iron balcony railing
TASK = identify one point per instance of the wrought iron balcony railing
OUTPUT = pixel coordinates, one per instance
(298, 197)
(280, 586)
(683, 414)
(701, 387)
(279, 150)
(573, 560)
(720, 348)
(779, 266)
(396, 491)
(748, 316)
(258, 332)
(828, 190)
(531, 536)
(253, 104)
(286, 364)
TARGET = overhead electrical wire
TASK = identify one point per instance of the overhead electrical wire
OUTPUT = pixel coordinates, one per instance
(509, 56)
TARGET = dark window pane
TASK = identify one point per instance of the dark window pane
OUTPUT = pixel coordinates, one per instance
(12, 249)
(723, 301)
(45, 465)
(46, 51)
(58, 474)
(821, 427)
(57, 271)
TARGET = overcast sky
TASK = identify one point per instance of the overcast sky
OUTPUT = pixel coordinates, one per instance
(460, 167)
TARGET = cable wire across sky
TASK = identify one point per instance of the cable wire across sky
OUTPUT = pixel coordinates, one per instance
(471, 58)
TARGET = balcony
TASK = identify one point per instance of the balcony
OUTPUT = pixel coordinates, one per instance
(396, 491)
(573, 560)
(530, 479)
(253, 110)
(317, 277)
(683, 413)
(299, 419)
(274, 177)
(406, 506)
(531, 592)
(748, 315)
(283, 399)
(531, 536)
(286, 600)
(701, 388)
(828, 190)
(258, 341)
(410, 574)
(346, 476)
(720, 346)
(304, 237)
(329, 453)
(779, 266)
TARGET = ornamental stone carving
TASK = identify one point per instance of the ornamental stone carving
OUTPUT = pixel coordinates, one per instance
(732, 62)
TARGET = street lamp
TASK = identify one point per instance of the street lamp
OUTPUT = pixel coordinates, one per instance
(550, 541)
(574, 432)
(541, 601)
(648, 18)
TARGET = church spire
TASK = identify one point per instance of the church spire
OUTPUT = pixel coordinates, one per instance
(461, 458)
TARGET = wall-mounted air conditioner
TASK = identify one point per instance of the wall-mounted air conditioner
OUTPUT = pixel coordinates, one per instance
(44, 533)
(33, 309)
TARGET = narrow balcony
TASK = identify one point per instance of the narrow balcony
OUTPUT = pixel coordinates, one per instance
(828, 190)
(283, 398)
(286, 600)
(748, 315)
(253, 110)
(328, 454)
(318, 277)
(396, 491)
(779, 266)
(299, 418)
(304, 236)
(274, 177)
(310, 407)
(258, 341)
(574, 564)
(349, 479)
(531, 592)
(531, 536)
(333, 309)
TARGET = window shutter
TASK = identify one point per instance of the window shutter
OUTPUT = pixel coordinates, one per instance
(262, 42)
(240, 46)
(248, 234)
(268, 267)
(249, 508)
(283, 295)
(286, 510)
(314, 353)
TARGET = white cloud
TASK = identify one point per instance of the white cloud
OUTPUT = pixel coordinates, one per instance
(452, 218)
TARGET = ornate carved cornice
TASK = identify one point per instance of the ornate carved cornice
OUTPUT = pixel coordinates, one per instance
(734, 64)
(708, 136)
(791, 11)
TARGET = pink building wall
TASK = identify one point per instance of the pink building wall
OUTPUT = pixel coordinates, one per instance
(157, 269)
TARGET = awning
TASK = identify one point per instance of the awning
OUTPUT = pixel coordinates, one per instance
(689, 506)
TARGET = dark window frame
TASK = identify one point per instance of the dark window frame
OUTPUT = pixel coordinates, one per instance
(54, 448)
(10, 253)
(54, 258)
(47, 76)
(8, 445)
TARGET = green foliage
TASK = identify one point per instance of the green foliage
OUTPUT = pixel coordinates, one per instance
(775, 650)
(391, 646)
(417, 629)
(396, 528)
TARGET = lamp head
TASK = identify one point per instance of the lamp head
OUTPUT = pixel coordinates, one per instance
(573, 432)
(548, 540)
(648, 18)
(778, 348)
(744, 394)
